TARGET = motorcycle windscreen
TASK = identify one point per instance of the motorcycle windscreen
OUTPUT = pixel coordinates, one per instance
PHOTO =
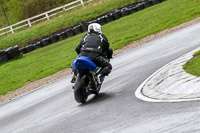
(84, 63)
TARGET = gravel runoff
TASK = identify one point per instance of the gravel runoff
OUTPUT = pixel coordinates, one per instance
(61, 74)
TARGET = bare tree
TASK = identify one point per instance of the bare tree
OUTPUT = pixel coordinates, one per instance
(4, 12)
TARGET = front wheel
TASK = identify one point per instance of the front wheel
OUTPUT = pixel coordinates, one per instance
(80, 93)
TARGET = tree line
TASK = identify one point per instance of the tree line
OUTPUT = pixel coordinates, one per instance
(17, 10)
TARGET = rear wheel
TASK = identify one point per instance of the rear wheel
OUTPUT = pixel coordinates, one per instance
(80, 93)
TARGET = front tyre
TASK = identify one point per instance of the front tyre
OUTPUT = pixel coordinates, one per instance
(80, 93)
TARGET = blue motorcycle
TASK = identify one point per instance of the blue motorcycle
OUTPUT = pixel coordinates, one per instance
(88, 80)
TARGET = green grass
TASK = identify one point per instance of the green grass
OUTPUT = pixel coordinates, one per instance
(48, 60)
(96, 8)
(193, 66)
(197, 53)
(36, 65)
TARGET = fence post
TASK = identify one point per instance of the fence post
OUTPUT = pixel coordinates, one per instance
(82, 3)
(47, 16)
(29, 23)
(11, 29)
(63, 8)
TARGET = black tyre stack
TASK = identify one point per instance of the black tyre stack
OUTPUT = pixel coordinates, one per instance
(77, 29)
(69, 32)
(12, 52)
(61, 36)
(54, 38)
(37, 44)
(45, 41)
(3, 57)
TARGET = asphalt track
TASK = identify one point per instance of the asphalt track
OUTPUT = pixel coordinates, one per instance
(52, 108)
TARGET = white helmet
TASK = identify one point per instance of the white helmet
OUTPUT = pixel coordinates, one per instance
(95, 27)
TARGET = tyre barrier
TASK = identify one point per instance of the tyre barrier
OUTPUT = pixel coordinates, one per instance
(3, 57)
(54, 38)
(117, 14)
(77, 29)
(84, 26)
(69, 32)
(154, 2)
(109, 17)
(45, 41)
(140, 6)
(29, 48)
(37, 44)
(15, 51)
(92, 21)
(148, 4)
(125, 11)
(23, 50)
(133, 8)
(61, 36)
(12, 52)
(101, 20)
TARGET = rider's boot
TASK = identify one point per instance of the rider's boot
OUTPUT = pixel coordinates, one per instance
(99, 78)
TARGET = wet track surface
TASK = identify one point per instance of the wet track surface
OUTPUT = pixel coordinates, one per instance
(52, 109)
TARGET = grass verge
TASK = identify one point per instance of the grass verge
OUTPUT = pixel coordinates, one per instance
(48, 60)
(193, 66)
(81, 14)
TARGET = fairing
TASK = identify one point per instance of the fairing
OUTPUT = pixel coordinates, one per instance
(84, 63)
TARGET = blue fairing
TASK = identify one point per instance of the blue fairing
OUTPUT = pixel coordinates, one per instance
(84, 63)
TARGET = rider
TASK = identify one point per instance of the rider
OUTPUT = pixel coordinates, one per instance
(95, 45)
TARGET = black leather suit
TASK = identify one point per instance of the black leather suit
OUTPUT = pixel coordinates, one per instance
(96, 47)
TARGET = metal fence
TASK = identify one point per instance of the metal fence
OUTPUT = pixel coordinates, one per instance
(43, 16)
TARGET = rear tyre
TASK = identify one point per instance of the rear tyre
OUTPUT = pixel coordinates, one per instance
(80, 93)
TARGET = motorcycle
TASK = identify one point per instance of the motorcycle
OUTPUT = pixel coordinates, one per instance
(87, 81)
